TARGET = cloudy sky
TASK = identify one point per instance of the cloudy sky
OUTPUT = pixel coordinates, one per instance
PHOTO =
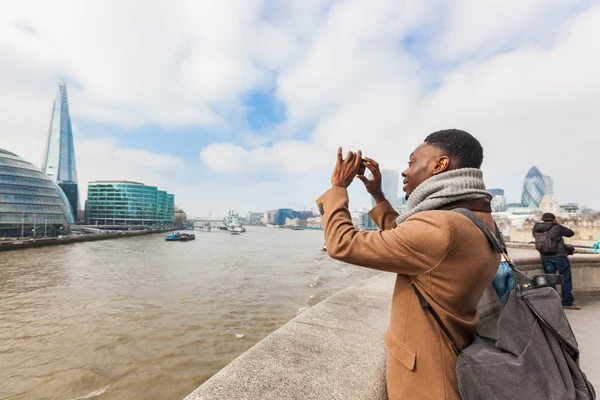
(242, 104)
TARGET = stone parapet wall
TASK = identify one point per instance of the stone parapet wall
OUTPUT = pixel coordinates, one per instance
(335, 349)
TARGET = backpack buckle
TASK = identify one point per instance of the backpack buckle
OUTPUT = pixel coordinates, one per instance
(547, 280)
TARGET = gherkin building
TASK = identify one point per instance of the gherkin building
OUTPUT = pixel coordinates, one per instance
(534, 188)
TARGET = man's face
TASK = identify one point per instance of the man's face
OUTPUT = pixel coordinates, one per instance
(424, 162)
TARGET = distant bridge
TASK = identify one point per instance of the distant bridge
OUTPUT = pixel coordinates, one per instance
(206, 222)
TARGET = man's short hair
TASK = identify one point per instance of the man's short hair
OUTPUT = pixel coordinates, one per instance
(461, 147)
(548, 217)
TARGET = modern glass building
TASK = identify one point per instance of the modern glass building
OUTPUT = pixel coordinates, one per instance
(534, 188)
(31, 204)
(549, 184)
(59, 157)
(129, 203)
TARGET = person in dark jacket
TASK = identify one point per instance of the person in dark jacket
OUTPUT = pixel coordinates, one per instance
(559, 261)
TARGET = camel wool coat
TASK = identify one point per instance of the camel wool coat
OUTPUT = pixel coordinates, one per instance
(449, 260)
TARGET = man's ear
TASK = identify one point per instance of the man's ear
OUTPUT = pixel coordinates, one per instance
(441, 165)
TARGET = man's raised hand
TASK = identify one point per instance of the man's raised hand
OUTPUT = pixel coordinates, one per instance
(345, 169)
(373, 185)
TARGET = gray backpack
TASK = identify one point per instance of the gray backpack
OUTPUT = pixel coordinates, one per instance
(544, 243)
(535, 355)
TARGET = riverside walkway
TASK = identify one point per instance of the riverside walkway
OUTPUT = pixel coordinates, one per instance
(335, 350)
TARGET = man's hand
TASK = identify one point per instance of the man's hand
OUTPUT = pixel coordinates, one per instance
(345, 169)
(373, 185)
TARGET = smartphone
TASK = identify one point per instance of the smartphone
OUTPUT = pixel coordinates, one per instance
(361, 168)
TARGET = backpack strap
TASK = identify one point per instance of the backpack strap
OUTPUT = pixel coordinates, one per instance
(496, 240)
(498, 244)
(425, 304)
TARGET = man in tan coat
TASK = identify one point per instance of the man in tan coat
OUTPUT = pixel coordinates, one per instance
(440, 251)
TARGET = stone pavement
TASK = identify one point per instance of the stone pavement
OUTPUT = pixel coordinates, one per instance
(586, 326)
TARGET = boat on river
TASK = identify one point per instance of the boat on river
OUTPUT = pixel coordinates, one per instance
(232, 223)
(180, 237)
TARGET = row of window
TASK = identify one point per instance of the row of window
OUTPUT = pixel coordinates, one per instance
(42, 181)
(145, 214)
(123, 218)
(127, 198)
(28, 190)
(103, 221)
(139, 192)
(26, 173)
(125, 212)
(133, 189)
(20, 199)
(118, 192)
(125, 202)
(18, 218)
(37, 209)
(123, 199)
(17, 163)
(122, 209)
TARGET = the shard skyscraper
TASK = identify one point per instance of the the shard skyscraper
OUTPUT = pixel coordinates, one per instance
(59, 157)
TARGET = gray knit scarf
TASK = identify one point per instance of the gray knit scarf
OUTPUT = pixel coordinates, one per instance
(445, 188)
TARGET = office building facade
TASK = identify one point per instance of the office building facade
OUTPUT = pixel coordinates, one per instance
(129, 203)
(549, 184)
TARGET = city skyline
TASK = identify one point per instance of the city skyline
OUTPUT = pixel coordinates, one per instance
(244, 107)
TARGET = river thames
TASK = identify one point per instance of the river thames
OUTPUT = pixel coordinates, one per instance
(141, 318)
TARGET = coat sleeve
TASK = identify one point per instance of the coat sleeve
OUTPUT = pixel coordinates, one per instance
(384, 215)
(415, 246)
(566, 232)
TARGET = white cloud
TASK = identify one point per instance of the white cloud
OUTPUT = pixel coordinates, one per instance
(475, 28)
(289, 156)
(148, 159)
(101, 159)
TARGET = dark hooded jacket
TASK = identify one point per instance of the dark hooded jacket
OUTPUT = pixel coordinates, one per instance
(556, 232)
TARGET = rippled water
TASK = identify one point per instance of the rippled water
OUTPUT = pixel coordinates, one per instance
(141, 318)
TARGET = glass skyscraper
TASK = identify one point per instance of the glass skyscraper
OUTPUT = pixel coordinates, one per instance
(30, 202)
(129, 203)
(534, 188)
(549, 184)
(59, 157)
